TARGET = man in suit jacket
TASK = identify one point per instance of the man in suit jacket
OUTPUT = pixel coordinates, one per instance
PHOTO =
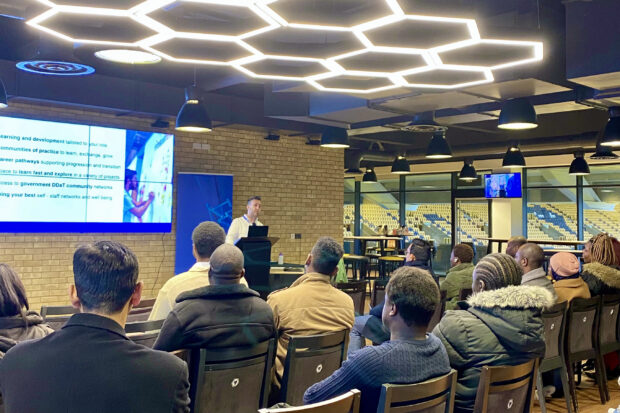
(90, 365)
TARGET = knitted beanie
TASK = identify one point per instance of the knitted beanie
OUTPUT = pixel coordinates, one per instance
(564, 264)
(498, 271)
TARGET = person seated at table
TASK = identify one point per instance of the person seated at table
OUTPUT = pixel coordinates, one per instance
(600, 271)
(531, 259)
(410, 356)
(459, 276)
(369, 326)
(568, 284)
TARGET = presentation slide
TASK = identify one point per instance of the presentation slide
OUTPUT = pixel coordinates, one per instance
(62, 177)
(503, 185)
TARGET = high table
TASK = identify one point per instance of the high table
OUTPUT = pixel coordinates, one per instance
(381, 239)
(500, 241)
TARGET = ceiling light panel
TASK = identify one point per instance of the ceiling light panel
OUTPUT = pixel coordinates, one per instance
(345, 46)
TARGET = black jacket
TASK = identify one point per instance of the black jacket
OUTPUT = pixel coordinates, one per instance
(91, 366)
(217, 316)
(601, 279)
(498, 327)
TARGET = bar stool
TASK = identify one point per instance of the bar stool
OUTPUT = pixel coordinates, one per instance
(359, 265)
(389, 263)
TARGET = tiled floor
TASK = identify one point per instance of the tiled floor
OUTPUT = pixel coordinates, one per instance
(589, 401)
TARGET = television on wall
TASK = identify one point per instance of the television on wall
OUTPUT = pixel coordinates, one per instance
(503, 185)
(65, 177)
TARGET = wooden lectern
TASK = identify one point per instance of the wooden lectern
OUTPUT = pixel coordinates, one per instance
(257, 257)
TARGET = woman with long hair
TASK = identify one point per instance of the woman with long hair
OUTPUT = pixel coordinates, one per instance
(17, 323)
(599, 270)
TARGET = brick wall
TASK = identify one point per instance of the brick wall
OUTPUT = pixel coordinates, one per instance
(301, 187)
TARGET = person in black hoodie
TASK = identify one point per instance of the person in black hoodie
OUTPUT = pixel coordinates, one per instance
(418, 255)
(223, 314)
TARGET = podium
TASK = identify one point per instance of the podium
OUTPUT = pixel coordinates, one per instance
(257, 257)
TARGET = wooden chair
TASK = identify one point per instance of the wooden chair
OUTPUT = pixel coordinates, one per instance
(465, 293)
(357, 291)
(377, 294)
(554, 320)
(582, 319)
(57, 316)
(232, 379)
(143, 326)
(389, 263)
(506, 388)
(310, 359)
(146, 303)
(432, 396)
(608, 337)
(359, 265)
(346, 403)
(439, 311)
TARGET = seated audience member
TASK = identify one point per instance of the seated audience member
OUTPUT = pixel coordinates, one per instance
(370, 326)
(459, 276)
(206, 237)
(311, 305)
(225, 313)
(90, 365)
(500, 325)
(16, 322)
(531, 259)
(410, 356)
(600, 272)
(564, 268)
(514, 244)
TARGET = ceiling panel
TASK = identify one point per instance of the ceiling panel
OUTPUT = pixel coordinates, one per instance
(429, 102)
(515, 89)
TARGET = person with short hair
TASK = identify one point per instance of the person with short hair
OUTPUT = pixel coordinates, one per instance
(240, 226)
(514, 243)
(17, 322)
(410, 356)
(564, 269)
(459, 275)
(311, 305)
(224, 313)
(531, 259)
(206, 237)
(90, 365)
(500, 324)
(600, 271)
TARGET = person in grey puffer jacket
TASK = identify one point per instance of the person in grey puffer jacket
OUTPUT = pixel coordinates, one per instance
(501, 325)
(16, 322)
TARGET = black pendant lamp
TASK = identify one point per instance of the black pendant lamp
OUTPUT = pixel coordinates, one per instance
(4, 100)
(513, 158)
(335, 138)
(438, 148)
(517, 114)
(611, 134)
(468, 172)
(579, 166)
(193, 116)
(603, 152)
(369, 176)
(400, 166)
(424, 122)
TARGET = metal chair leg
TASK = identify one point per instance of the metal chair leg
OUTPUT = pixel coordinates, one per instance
(599, 373)
(573, 387)
(566, 388)
(541, 393)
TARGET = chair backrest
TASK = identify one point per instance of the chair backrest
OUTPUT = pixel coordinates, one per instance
(143, 326)
(310, 359)
(139, 314)
(439, 311)
(581, 325)
(378, 292)
(357, 291)
(146, 303)
(234, 379)
(432, 396)
(608, 320)
(346, 403)
(57, 322)
(58, 310)
(146, 339)
(464, 293)
(506, 388)
(554, 319)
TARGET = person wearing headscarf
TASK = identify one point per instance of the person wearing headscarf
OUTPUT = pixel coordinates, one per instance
(564, 269)
(599, 271)
(500, 325)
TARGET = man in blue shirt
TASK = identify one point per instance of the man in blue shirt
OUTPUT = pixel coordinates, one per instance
(410, 356)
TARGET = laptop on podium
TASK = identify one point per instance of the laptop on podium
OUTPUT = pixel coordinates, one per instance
(258, 231)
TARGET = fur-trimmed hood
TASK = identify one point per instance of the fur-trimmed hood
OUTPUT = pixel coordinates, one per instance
(608, 275)
(514, 296)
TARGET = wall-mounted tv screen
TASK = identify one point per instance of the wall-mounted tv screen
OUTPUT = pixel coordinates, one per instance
(64, 177)
(502, 185)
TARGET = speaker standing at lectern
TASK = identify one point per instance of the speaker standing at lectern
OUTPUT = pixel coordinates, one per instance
(240, 226)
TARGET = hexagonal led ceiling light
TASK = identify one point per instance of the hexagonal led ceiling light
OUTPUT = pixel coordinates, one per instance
(350, 46)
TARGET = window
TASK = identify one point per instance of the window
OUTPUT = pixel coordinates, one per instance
(601, 201)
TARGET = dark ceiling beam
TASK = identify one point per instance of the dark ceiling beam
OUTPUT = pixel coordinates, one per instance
(214, 83)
